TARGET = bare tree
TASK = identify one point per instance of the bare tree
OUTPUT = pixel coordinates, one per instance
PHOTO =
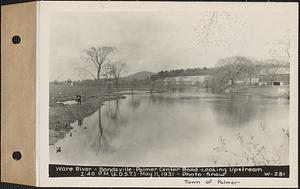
(233, 67)
(115, 69)
(273, 67)
(218, 81)
(98, 56)
(252, 70)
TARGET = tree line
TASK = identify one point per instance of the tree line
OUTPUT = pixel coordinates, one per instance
(180, 72)
(225, 74)
(238, 68)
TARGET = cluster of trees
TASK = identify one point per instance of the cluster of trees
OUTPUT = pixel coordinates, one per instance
(66, 82)
(180, 72)
(227, 72)
(273, 67)
(100, 58)
(239, 68)
(105, 69)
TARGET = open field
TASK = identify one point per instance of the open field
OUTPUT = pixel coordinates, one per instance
(68, 92)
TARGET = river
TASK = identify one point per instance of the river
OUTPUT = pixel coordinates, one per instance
(179, 129)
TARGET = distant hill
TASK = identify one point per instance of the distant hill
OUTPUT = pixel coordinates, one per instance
(139, 75)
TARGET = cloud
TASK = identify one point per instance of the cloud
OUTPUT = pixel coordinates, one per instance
(155, 41)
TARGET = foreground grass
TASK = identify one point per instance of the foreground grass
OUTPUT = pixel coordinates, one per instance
(61, 116)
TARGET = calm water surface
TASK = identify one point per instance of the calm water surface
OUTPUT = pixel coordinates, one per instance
(177, 129)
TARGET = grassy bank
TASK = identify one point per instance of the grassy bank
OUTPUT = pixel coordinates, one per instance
(61, 116)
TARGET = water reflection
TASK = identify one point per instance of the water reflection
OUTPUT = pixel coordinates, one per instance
(135, 102)
(236, 111)
(115, 112)
(179, 128)
(167, 99)
(100, 137)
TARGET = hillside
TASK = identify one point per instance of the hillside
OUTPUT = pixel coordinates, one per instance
(139, 75)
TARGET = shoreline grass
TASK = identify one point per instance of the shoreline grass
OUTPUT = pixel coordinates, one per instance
(61, 116)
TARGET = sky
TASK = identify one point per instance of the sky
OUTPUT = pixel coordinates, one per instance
(155, 41)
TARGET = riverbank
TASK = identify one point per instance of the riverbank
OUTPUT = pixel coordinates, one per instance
(61, 116)
(264, 91)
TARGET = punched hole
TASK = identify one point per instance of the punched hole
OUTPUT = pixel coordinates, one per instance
(16, 39)
(16, 155)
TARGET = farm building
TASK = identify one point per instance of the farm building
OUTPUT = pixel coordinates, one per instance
(274, 80)
(186, 80)
(247, 81)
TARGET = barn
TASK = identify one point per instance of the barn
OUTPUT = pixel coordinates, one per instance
(274, 80)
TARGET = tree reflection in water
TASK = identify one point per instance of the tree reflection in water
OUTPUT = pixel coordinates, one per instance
(100, 137)
(101, 142)
(134, 103)
(162, 99)
(236, 111)
(108, 132)
(114, 114)
(130, 126)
